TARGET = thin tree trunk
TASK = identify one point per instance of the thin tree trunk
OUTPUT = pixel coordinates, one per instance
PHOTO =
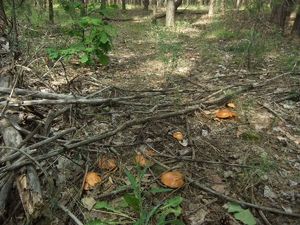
(281, 11)
(103, 4)
(3, 19)
(223, 7)
(154, 6)
(15, 30)
(296, 25)
(211, 10)
(123, 4)
(51, 12)
(146, 4)
(170, 13)
(177, 4)
(238, 4)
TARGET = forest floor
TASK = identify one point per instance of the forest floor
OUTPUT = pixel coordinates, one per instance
(205, 63)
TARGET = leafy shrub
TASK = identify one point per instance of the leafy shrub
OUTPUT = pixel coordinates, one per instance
(93, 36)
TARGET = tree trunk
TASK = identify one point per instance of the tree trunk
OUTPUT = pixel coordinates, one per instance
(160, 3)
(170, 13)
(296, 25)
(146, 4)
(177, 4)
(154, 6)
(3, 19)
(123, 4)
(211, 10)
(281, 11)
(238, 4)
(51, 12)
(223, 7)
(103, 4)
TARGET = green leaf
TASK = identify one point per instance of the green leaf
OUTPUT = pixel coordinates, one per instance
(102, 222)
(159, 190)
(246, 217)
(173, 202)
(176, 211)
(104, 60)
(104, 38)
(84, 58)
(105, 205)
(234, 207)
(175, 222)
(131, 178)
(95, 222)
(132, 201)
(102, 205)
(53, 53)
(110, 30)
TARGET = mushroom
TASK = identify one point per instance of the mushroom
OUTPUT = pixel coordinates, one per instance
(172, 179)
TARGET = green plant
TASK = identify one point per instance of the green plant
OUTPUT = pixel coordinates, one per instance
(136, 201)
(260, 168)
(165, 212)
(243, 215)
(92, 36)
(169, 46)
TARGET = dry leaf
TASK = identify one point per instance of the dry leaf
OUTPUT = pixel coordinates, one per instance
(91, 180)
(231, 105)
(150, 152)
(172, 179)
(219, 188)
(107, 163)
(225, 114)
(178, 136)
(141, 160)
(88, 202)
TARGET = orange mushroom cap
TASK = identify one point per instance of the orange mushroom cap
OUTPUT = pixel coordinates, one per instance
(107, 163)
(91, 180)
(172, 179)
(225, 114)
(178, 136)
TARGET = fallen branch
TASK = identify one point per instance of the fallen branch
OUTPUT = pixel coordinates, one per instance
(73, 100)
(243, 203)
(70, 214)
(129, 124)
(37, 94)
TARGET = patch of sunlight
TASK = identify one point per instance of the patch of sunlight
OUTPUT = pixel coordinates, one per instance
(203, 21)
(184, 67)
(211, 36)
(153, 66)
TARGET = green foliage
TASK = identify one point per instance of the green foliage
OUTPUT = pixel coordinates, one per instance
(260, 168)
(251, 135)
(165, 212)
(169, 45)
(243, 215)
(92, 36)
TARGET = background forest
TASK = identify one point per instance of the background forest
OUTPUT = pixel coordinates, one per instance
(150, 112)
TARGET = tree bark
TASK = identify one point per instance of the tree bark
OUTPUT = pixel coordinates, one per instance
(296, 25)
(281, 11)
(238, 4)
(154, 7)
(211, 10)
(177, 4)
(103, 4)
(170, 13)
(146, 4)
(123, 4)
(223, 7)
(51, 12)
(3, 19)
